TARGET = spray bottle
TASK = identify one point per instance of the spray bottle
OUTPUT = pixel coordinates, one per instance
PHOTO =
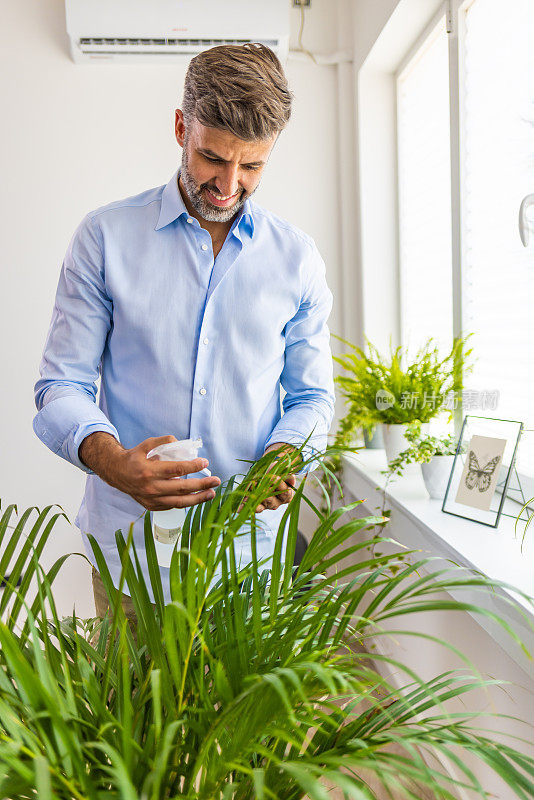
(167, 525)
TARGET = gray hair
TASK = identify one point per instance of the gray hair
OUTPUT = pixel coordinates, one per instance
(238, 88)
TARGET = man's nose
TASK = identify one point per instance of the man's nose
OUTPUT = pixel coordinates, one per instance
(229, 180)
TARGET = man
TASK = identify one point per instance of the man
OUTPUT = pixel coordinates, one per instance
(194, 304)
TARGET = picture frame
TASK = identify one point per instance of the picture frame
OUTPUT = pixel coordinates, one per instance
(483, 465)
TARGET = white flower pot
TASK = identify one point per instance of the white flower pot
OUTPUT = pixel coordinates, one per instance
(436, 475)
(395, 441)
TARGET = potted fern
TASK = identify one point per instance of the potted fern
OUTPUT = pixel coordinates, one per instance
(250, 683)
(395, 390)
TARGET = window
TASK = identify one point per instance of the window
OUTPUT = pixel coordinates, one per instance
(485, 178)
(424, 194)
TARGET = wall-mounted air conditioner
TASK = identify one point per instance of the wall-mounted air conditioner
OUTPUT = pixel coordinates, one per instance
(166, 30)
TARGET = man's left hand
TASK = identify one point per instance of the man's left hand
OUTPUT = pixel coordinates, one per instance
(285, 490)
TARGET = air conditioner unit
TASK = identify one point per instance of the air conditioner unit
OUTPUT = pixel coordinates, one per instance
(168, 30)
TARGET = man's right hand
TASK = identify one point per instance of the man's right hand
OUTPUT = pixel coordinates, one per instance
(150, 482)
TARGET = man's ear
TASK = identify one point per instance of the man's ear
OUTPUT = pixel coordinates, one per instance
(179, 127)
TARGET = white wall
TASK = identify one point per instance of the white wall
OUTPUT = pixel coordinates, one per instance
(370, 18)
(360, 22)
(76, 137)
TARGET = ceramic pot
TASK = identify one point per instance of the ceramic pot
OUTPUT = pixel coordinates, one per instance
(436, 475)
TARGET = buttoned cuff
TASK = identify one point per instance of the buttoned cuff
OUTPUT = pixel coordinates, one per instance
(63, 424)
(297, 439)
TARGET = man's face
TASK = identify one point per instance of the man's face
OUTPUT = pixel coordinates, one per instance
(219, 171)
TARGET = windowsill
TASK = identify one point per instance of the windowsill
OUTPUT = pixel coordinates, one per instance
(419, 523)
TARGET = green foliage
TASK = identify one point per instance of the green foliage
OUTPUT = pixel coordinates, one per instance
(422, 448)
(528, 509)
(254, 685)
(418, 388)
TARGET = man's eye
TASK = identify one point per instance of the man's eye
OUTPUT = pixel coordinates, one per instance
(251, 167)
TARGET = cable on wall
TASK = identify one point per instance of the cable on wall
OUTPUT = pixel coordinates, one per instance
(302, 53)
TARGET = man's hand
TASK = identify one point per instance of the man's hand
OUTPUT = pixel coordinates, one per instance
(150, 482)
(284, 489)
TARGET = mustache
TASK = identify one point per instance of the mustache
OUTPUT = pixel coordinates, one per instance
(214, 188)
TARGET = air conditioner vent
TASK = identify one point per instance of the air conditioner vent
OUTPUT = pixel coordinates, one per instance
(97, 44)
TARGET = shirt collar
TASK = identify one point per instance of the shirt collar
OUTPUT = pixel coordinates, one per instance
(173, 207)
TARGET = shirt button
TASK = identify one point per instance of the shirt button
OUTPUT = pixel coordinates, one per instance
(204, 246)
(189, 220)
(206, 340)
(202, 391)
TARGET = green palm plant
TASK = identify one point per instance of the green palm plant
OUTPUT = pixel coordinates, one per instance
(248, 684)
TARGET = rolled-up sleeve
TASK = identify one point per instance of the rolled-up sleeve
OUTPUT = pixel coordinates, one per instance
(65, 394)
(307, 376)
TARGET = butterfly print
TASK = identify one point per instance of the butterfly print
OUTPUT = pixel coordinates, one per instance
(478, 476)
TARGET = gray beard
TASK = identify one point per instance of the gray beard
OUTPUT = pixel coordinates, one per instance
(205, 209)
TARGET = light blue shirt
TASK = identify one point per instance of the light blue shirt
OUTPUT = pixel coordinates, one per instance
(185, 345)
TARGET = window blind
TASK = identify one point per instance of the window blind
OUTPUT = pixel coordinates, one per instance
(497, 122)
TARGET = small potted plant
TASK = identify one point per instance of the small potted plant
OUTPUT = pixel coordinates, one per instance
(434, 453)
(394, 391)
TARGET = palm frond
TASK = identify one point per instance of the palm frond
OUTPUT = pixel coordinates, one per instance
(252, 682)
